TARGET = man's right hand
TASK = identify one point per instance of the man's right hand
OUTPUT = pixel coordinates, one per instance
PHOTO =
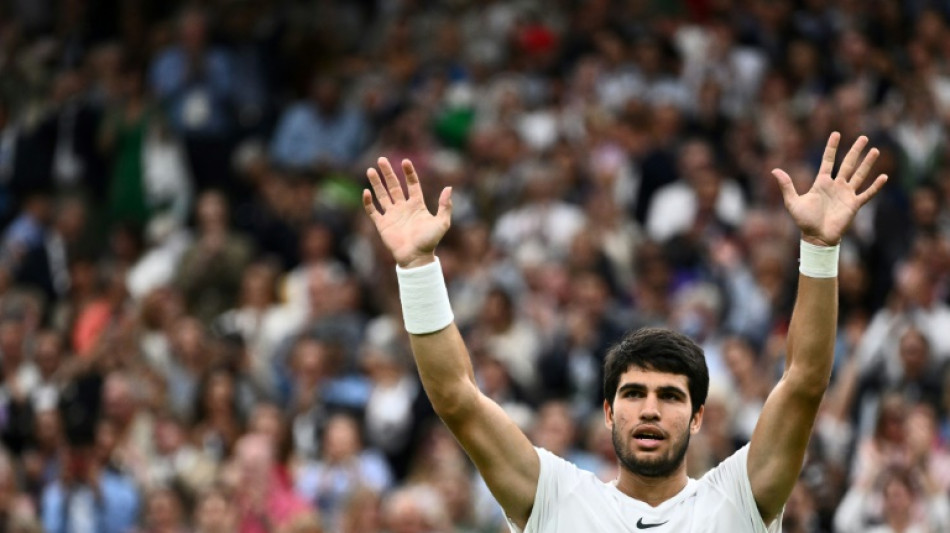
(406, 226)
(501, 452)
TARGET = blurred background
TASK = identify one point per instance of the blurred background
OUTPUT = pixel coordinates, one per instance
(200, 330)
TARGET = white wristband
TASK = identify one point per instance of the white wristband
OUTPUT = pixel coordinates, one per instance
(424, 297)
(819, 261)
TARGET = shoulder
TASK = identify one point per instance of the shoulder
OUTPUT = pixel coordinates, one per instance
(564, 492)
(730, 481)
(730, 471)
(559, 477)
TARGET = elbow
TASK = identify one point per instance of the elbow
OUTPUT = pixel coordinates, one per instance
(808, 386)
(455, 404)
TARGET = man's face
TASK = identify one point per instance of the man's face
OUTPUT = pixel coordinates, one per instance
(651, 421)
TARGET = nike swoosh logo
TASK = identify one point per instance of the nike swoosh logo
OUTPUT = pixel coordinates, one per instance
(641, 525)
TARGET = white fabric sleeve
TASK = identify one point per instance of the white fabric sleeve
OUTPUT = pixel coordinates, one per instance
(732, 478)
(556, 478)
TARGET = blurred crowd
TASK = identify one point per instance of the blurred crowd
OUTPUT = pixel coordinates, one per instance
(200, 330)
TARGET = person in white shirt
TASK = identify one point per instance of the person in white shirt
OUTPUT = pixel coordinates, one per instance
(655, 383)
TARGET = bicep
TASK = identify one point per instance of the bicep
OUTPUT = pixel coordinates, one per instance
(778, 446)
(502, 453)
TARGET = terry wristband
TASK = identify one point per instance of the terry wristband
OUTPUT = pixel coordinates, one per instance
(818, 261)
(424, 297)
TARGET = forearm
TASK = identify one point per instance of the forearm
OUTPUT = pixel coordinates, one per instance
(811, 335)
(437, 346)
(500, 451)
(446, 370)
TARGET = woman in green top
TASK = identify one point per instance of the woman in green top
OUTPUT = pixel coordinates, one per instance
(124, 133)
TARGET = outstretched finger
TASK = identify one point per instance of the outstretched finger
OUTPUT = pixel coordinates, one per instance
(369, 206)
(862, 173)
(785, 185)
(828, 159)
(851, 159)
(378, 188)
(444, 213)
(392, 181)
(412, 179)
(875, 188)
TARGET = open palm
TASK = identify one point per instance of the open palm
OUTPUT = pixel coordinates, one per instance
(824, 213)
(407, 228)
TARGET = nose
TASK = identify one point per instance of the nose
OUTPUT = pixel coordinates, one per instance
(650, 409)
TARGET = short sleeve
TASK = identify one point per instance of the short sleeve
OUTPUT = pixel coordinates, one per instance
(555, 478)
(731, 477)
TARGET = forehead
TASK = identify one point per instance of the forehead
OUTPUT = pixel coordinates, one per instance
(652, 379)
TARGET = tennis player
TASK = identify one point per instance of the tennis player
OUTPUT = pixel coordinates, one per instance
(655, 382)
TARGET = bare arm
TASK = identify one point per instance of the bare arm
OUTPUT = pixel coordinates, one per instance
(501, 452)
(784, 427)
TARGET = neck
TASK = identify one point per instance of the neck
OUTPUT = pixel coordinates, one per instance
(652, 490)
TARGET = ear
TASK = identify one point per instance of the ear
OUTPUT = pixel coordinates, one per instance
(697, 421)
(608, 415)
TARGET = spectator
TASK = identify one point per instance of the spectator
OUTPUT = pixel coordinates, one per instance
(215, 512)
(542, 219)
(913, 302)
(397, 408)
(27, 232)
(555, 431)
(89, 496)
(510, 339)
(184, 369)
(321, 132)
(42, 460)
(195, 81)
(132, 425)
(415, 509)
(702, 201)
(267, 419)
(17, 511)
(163, 512)
(177, 462)
(46, 267)
(261, 500)
(344, 465)
(210, 270)
(150, 178)
(217, 423)
(908, 502)
(47, 369)
(361, 512)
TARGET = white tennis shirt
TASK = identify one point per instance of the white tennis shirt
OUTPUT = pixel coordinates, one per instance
(571, 500)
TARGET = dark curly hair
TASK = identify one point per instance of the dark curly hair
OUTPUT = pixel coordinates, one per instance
(661, 350)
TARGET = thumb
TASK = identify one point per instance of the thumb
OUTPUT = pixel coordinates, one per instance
(444, 214)
(785, 185)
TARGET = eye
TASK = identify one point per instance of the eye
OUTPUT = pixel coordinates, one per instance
(672, 396)
(633, 393)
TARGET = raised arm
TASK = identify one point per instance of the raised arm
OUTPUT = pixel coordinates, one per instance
(501, 452)
(823, 214)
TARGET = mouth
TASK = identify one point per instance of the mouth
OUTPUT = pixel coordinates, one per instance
(648, 438)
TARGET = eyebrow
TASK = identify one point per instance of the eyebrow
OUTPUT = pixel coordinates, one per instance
(643, 388)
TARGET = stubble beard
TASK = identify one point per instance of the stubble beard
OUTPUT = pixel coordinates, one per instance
(658, 467)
